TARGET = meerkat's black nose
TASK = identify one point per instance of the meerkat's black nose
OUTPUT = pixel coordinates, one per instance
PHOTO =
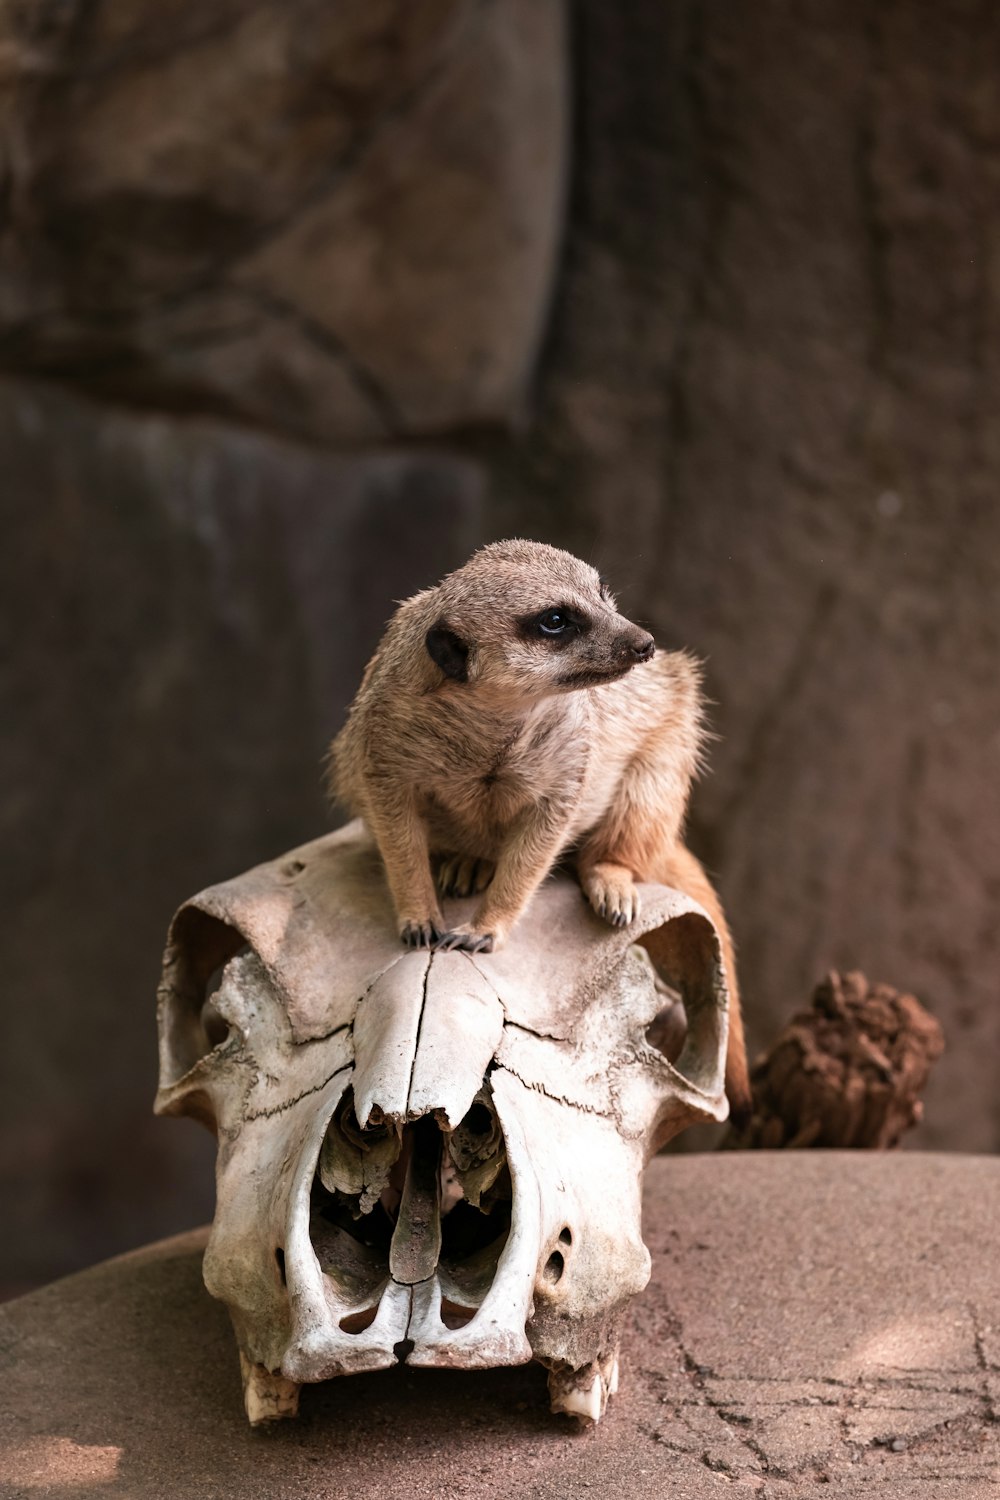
(643, 648)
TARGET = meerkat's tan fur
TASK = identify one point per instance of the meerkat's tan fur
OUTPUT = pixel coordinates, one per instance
(509, 717)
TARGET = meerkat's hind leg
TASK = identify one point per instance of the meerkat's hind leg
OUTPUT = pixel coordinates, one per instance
(460, 875)
(610, 889)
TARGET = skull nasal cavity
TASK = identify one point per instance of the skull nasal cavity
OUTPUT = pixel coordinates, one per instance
(478, 1121)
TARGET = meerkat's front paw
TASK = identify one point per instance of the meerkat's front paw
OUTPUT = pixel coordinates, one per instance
(469, 939)
(418, 934)
(458, 875)
(611, 891)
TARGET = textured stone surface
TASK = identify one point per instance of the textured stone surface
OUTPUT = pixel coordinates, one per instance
(337, 220)
(192, 607)
(771, 408)
(816, 1324)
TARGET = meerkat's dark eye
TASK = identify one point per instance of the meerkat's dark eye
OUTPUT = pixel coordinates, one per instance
(559, 624)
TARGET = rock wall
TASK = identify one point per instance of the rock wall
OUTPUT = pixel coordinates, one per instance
(192, 605)
(771, 402)
(337, 220)
(315, 251)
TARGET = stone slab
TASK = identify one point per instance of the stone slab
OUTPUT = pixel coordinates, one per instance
(816, 1324)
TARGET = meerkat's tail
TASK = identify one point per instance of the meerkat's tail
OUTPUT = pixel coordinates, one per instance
(738, 1090)
(681, 870)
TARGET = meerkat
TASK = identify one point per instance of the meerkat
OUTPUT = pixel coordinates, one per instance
(511, 717)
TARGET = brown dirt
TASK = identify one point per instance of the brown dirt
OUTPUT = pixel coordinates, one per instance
(848, 1072)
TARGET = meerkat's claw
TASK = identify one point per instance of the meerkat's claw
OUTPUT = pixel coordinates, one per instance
(611, 892)
(465, 941)
(461, 876)
(418, 935)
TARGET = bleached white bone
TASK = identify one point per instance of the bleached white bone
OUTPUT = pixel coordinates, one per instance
(521, 1238)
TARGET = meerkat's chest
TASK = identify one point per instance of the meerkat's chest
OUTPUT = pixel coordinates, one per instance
(479, 788)
(495, 789)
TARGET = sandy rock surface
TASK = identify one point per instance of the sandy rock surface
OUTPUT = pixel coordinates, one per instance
(823, 1324)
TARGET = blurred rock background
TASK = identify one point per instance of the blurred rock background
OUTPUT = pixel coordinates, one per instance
(301, 302)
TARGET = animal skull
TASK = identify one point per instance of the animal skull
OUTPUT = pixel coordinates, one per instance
(430, 1157)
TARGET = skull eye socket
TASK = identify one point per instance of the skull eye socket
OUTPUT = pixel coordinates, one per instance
(192, 1024)
(213, 1022)
(687, 1030)
(216, 1027)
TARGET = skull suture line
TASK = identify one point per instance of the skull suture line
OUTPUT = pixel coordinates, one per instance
(428, 1156)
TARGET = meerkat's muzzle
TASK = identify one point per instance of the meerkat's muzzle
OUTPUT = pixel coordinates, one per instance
(632, 646)
(610, 659)
(642, 647)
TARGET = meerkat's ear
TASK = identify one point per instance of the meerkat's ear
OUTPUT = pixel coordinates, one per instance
(448, 651)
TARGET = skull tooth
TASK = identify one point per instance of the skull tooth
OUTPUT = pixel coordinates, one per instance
(267, 1397)
(584, 1392)
(586, 1402)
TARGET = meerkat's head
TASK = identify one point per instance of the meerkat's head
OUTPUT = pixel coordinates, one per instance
(525, 620)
